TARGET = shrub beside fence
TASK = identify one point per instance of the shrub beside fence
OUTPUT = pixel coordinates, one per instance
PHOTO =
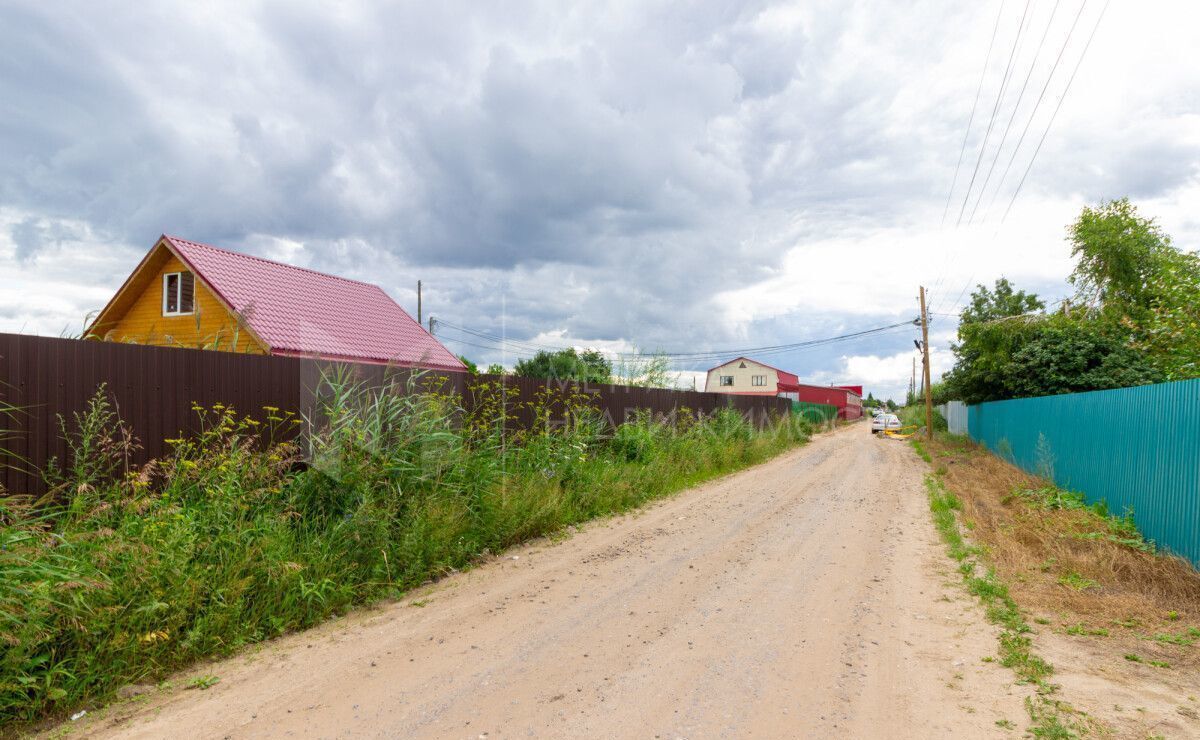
(1133, 448)
(154, 390)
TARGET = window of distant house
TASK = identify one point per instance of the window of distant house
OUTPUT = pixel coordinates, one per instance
(758, 380)
(726, 380)
(179, 293)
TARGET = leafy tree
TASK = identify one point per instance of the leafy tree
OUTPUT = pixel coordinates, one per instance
(1017, 355)
(1001, 302)
(588, 366)
(1129, 275)
(645, 371)
(1118, 254)
(993, 326)
(1065, 355)
(472, 368)
(495, 369)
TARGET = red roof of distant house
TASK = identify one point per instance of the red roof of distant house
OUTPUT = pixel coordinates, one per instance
(308, 313)
(855, 389)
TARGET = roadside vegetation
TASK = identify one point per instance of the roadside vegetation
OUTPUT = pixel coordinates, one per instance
(119, 576)
(1134, 318)
(1041, 559)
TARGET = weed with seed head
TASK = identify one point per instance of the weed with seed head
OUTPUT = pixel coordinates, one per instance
(122, 575)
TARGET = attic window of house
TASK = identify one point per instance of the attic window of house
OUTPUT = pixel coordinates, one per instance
(758, 380)
(179, 293)
(726, 380)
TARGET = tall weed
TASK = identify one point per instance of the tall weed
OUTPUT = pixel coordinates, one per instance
(124, 575)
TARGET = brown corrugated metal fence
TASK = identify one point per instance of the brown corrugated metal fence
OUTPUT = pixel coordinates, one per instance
(155, 388)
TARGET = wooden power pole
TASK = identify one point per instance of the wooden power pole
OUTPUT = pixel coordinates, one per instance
(925, 362)
(419, 303)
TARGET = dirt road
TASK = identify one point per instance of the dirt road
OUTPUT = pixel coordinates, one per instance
(807, 597)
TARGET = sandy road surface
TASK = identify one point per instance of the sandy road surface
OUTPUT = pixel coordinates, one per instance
(806, 597)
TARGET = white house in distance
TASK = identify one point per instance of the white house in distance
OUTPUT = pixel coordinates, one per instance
(746, 377)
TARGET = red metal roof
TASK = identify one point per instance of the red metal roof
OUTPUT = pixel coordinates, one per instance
(304, 312)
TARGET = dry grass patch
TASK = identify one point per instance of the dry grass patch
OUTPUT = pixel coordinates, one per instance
(1074, 567)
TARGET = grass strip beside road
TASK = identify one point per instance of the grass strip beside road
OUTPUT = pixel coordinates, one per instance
(1050, 717)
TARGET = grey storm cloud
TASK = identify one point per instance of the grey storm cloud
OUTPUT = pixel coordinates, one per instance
(599, 169)
(449, 143)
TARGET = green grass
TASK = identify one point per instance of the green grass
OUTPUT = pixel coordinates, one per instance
(118, 578)
(1118, 529)
(1050, 718)
(1074, 581)
(919, 446)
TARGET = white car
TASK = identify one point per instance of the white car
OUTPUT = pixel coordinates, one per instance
(883, 422)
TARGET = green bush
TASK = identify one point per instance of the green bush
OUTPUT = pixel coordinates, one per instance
(121, 576)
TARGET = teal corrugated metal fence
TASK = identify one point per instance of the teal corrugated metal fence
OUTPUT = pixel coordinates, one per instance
(1134, 448)
(814, 412)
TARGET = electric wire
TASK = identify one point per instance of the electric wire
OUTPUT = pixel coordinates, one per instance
(500, 343)
(521, 348)
(1054, 115)
(1033, 113)
(1025, 131)
(1016, 107)
(995, 109)
(971, 120)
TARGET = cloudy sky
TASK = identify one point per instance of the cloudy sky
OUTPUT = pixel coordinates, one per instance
(678, 176)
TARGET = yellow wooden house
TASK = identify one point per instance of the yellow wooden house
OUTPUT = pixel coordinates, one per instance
(188, 294)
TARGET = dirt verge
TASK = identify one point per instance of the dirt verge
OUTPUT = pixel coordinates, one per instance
(1119, 624)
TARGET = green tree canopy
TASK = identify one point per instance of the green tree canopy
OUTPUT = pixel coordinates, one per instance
(991, 328)
(1130, 276)
(645, 371)
(588, 366)
(1118, 256)
(1002, 301)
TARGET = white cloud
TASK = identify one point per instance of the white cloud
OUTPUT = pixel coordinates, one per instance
(653, 174)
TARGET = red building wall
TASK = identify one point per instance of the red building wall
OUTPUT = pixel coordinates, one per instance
(849, 404)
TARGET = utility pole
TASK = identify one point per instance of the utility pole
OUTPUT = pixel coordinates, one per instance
(925, 354)
(431, 326)
(419, 304)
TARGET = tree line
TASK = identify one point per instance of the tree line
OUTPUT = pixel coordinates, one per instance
(590, 366)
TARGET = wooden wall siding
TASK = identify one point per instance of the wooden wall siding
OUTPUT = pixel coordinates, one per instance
(210, 327)
(154, 389)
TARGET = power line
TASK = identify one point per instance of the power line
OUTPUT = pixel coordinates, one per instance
(971, 120)
(995, 109)
(698, 357)
(1054, 115)
(1033, 113)
(1029, 122)
(504, 343)
(704, 353)
(1016, 107)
